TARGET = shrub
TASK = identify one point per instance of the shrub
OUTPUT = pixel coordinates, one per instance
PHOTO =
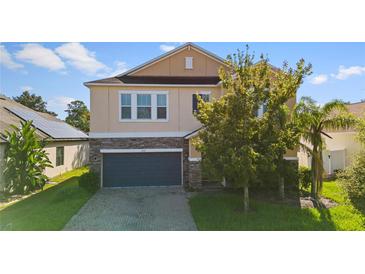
(305, 177)
(268, 179)
(90, 181)
(25, 160)
(353, 178)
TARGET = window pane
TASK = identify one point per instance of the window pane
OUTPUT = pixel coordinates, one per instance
(126, 99)
(143, 99)
(161, 100)
(195, 103)
(161, 113)
(144, 113)
(59, 156)
(205, 97)
(126, 112)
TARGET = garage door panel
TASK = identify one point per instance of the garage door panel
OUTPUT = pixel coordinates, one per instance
(141, 169)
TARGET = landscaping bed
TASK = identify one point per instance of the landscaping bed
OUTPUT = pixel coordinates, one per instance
(49, 209)
(219, 211)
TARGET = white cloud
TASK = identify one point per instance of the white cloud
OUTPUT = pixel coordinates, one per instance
(40, 56)
(344, 73)
(81, 58)
(59, 102)
(319, 79)
(120, 68)
(166, 48)
(28, 88)
(7, 60)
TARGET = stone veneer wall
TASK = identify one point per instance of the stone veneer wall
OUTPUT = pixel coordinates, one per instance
(138, 143)
(195, 175)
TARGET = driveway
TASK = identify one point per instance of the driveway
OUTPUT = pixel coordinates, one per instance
(145, 208)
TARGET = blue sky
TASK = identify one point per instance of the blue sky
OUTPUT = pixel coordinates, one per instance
(57, 71)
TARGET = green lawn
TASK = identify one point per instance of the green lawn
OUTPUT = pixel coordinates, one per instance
(218, 211)
(50, 209)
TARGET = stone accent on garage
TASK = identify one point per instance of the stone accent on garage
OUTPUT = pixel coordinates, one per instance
(195, 175)
(190, 181)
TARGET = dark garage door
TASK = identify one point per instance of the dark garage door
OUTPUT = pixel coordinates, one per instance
(141, 169)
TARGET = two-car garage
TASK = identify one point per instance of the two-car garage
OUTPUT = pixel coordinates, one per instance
(141, 167)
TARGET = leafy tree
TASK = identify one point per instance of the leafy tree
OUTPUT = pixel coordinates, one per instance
(25, 160)
(34, 102)
(236, 142)
(313, 120)
(353, 178)
(78, 115)
(277, 130)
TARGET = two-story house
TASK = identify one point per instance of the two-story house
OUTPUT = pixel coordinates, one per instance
(142, 120)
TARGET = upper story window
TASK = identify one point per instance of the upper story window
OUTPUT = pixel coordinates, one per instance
(261, 110)
(143, 106)
(188, 62)
(204, 95)
(126, 105)
(161, 106)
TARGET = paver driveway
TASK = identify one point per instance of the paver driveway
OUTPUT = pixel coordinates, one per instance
(150, 208)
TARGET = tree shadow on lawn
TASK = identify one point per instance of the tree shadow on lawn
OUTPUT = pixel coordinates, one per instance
(218, 211)
(49, 209)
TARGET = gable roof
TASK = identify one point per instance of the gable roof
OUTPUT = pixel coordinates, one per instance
(47, 126)
(126, 78)
(172, 52)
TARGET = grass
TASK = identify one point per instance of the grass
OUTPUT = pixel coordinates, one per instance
(218, 211)
(50, 209)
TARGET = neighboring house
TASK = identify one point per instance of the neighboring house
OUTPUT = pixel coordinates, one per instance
(142, 121)
(341, 148)
(67, 147)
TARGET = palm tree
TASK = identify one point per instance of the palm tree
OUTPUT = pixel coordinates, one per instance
(312, 120)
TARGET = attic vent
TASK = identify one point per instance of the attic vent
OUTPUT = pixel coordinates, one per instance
(188, 62)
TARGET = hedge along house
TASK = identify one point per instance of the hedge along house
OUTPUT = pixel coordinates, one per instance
(341, 148)
(142, 121)
(67, 147)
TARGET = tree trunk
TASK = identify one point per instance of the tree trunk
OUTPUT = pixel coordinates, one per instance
(314, 179)
(245, 199)
(281, 188)
(320, 173)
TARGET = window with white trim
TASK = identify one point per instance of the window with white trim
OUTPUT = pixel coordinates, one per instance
(205, 97)
(161, 106)
(126, 106)
(188, 62)
(143, 106)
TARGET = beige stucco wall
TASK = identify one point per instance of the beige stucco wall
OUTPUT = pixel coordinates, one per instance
(105, 100)
(2, 165)
(105, 110)
(343, 146)
(175, 65)
(76, 154)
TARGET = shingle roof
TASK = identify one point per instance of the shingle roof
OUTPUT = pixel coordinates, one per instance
(174, 80)
(8, 118)
(110, 80)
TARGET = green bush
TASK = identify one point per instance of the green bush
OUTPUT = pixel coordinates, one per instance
(90, 181)
(305, 177)
(353, 178)
(25, 160)
(268, 179)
